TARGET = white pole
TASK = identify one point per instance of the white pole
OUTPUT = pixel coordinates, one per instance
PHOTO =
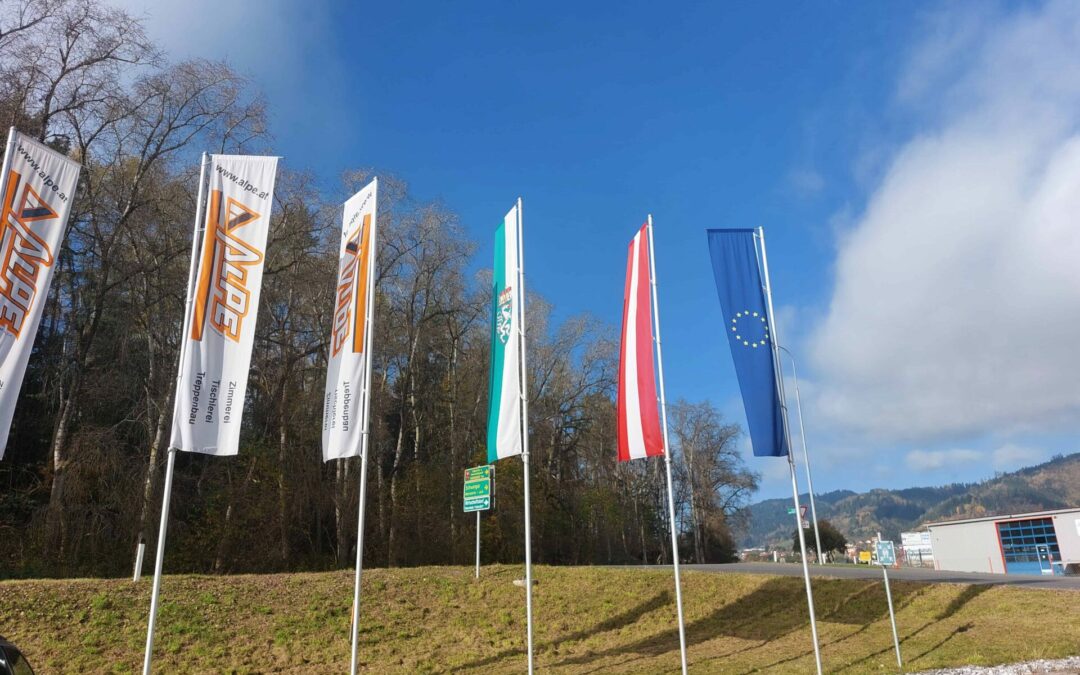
(892, 617)
(477, 544)
(198, 233)
(8, 152)
(791, 461)
(148, 657)
(365, 435)
(140, 551)
(525, 439)
(667, 449)
(166, 496)
(806, 455)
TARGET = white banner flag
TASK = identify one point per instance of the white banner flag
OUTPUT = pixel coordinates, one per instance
(38, 185)
(344, 406)
(220, 327)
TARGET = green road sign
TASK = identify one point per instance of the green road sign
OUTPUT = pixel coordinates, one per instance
(478, 488)
(886, 554)
(791, 510)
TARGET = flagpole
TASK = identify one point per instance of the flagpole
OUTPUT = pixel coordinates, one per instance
(525, 437)
(806, 454)
(8, 151)
(365, 434)
(477, 544)
(148, 657)
(166, 496)
(667, 448)
(787, 436)
(9, 154)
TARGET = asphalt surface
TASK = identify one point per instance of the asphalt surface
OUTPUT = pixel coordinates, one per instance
(902, 573)
(1068, 666)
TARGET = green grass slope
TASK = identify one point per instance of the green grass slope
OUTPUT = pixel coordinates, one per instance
(428, 620)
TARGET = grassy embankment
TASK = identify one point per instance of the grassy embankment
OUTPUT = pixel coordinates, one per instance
(587, 620)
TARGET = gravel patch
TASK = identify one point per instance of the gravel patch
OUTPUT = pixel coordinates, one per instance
(1069, 666)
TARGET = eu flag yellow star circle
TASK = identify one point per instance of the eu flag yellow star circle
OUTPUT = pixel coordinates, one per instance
(747, 329)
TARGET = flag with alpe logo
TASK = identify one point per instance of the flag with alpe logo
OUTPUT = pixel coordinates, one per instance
(219, 329)
(345, 405)
(37, 187)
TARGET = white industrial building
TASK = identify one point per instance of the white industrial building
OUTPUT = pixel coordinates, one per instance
(917, 549)
(1044, 542)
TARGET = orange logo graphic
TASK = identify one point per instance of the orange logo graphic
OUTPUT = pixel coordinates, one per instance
(22, 252)
(222, 296)
(351, 307)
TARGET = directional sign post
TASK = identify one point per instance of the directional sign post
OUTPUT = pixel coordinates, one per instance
(886, 555)
(479, 484)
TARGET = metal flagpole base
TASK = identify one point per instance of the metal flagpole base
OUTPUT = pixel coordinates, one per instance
(162, 528)
(805, 565)
(139, 553)
(355, 663)
(675, 561)
(528, 564)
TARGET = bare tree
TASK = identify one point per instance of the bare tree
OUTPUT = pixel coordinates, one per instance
(714, 479)
(425, 260)
(128, 146)
(64, 57)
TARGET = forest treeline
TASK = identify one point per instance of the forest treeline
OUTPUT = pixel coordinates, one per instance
(80, 484)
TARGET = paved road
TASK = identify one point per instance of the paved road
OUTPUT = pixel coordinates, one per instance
(904, 573)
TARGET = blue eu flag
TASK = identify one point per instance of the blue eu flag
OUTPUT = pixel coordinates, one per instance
(740, 284)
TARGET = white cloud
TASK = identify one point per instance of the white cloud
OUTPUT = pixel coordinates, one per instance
(934, 460)
(1010, 457)
(250, 34)
(956, 309)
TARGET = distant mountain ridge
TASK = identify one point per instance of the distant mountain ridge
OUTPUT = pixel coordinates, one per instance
(1052, 485)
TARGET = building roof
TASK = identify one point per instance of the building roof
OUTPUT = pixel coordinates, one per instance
(1012, 516)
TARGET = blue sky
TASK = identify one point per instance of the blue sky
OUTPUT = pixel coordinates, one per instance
(915, 167)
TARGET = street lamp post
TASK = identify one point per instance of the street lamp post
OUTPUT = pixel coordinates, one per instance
(806, 453)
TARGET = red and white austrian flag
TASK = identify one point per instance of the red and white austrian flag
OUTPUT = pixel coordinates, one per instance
(639, 417)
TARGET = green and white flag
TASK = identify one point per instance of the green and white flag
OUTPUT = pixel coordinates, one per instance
(508, 407)
(504, 397)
